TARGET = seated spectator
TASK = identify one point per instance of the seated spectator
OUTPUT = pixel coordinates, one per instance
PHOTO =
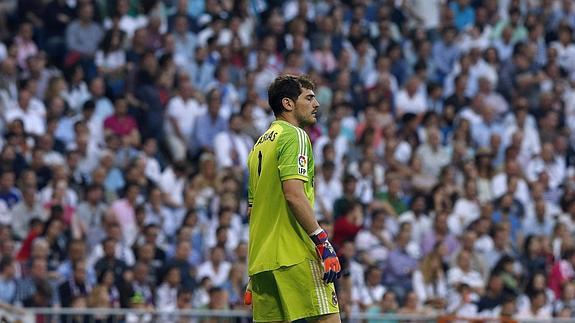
(463, 274)
(8, 282)
(216, 268)
(348, 225)
(167, 293)
(83, 34)
(429, 282)
(440, 232)
(400, 265)
(373, 290)
(493, 296)
(538, 309)
(109, 260)
(180, 260)
(208, 124)
(121, 124)
(392, 201)
(377, 240)
(28, 284)
(76, 286)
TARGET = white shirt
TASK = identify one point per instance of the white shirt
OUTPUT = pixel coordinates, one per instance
(419, 225)
(327, 192)
(128, 24)
(34, 123)
(543, 313)
(464, 212)
(472, 278)
(228, 142)
(372, 294)
(172, 185)
(76, 96)
(185, 114)
(413, 104)
(566, 55)
(499, 187)
(367, 241)
(167, 297)
(425, 291)
(428, 11)
(111, 60)
(471, 116)
(556, 170)
(433, 160)
(218, 277)
(152, 171)
(340, 146)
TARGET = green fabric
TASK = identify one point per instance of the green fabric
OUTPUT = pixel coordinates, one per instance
(398, 205)
(276, 238)
(292, 293)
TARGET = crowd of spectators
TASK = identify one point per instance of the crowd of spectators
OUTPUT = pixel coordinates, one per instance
(444, 151)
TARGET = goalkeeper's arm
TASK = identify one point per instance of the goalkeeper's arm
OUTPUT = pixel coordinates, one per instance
(300, 206)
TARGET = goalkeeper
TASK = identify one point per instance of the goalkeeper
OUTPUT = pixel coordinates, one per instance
(291, 263)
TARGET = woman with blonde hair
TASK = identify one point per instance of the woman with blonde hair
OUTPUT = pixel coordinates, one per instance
(429, 282)
(99, 298)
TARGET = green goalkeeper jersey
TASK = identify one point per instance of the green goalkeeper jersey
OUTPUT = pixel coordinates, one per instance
(276, 238)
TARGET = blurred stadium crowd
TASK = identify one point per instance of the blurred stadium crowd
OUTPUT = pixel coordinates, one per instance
(444, 151)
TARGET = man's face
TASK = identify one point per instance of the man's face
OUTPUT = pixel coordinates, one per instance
(305, 109)
(80, 272)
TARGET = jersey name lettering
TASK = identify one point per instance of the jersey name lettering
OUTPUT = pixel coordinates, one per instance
(271, 136)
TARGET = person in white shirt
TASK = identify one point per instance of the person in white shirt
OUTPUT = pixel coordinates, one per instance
(34, 122)
(126, 22)
(167, 293)
(217, 268)
(433, 155)
(376, 240)
(466, 208)
(232, 146)
(521, 131)
(328, 188)
(182, 112)
(426, 13)
(153, 170)
(410, 99)
(420, 221)
(172, 183)
(336, 138)
(538, 309)
(565, 49)
(464, 274)
(547, 162)
(373, 290)
(500, 181)
(429, 281)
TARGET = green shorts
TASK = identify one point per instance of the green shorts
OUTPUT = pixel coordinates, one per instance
(292, 293)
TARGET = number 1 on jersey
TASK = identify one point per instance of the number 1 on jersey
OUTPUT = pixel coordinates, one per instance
(259, 163)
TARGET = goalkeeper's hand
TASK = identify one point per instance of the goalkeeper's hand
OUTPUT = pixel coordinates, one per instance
(332, 268)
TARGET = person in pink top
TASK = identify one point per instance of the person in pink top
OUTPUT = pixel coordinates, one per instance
(121, 123)
(562, 271)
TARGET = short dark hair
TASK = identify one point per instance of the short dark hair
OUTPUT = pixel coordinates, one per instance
(5, 261)
(287, 86)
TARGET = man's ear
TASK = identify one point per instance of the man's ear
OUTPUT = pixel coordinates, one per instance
(287, 104)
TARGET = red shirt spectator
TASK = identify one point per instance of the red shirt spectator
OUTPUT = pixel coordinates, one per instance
(347, 226)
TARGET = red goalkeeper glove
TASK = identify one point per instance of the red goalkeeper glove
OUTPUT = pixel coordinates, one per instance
(332, 268)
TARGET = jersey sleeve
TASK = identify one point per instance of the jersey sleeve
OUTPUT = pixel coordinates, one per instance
(293, 155)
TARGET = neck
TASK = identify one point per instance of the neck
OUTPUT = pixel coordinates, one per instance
(289, 119)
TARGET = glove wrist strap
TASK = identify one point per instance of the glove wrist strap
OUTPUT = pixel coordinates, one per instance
(319, 236)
